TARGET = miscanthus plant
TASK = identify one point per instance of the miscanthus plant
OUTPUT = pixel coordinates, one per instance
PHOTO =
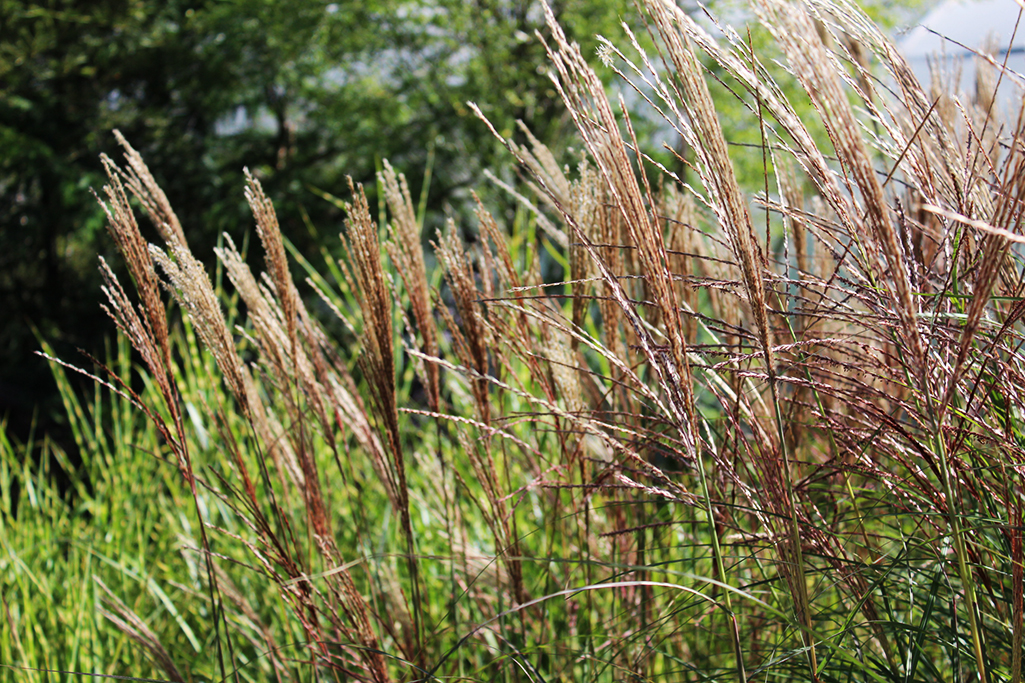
(768, 435)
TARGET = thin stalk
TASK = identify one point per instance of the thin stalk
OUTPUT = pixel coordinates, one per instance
(964, 572)
(1016, 558)
(453, 607)
(587, 629)
(858, 515)
(797, 555)
(720, 568)
(414, 579)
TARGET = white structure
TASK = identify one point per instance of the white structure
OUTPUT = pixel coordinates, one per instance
(949, 35)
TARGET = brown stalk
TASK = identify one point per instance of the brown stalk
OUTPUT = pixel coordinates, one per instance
(377, 360)
(584, 96)
(406, 253)
(151, 338)
(298, 367)
(269, 336)
(716, 171)
(190, 285)
(813, 66)
(274, 248)
(277, 314)
(145, 188)
(122, 226)
(1015, 515)
(471, 335)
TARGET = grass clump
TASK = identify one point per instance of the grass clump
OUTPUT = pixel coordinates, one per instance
(715, 451)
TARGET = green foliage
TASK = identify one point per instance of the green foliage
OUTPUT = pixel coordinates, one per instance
(303, 93)
(122, 527)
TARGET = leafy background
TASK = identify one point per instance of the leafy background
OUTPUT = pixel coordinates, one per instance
(303, 93)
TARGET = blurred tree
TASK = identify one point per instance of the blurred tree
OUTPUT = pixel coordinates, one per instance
(302, 92)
